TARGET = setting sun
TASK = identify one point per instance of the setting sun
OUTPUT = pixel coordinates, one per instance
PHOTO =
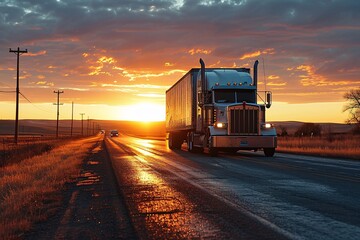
(144, 112)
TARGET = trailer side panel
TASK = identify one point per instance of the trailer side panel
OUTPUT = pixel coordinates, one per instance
(180, 102)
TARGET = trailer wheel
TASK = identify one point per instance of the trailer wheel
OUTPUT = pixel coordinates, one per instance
(175, 141)
(269, 152)
(170, 141)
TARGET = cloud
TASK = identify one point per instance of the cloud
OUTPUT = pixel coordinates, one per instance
(39, 53)
(90, 44)
(257, 53)
(197, 51)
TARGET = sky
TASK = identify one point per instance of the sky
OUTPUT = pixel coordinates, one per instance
(116, 58)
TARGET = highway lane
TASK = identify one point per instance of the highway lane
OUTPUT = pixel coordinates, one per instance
(176, 194)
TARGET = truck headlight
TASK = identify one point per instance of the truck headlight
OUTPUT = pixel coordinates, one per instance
(267, 125)
(220, 125)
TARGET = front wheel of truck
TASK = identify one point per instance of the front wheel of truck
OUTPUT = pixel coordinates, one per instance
(269, 152)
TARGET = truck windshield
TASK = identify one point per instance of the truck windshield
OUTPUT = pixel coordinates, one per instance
(234, 96)
(224, 96)
(245, 95)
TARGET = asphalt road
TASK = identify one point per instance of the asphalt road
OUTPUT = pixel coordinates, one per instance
(178, 195)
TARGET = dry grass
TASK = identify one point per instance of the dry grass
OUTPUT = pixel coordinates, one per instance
(29, 190)
(346, 146)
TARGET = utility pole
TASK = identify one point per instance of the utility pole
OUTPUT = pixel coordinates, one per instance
(82, 123)
(18, 52)
(72, 118)
(58, 104)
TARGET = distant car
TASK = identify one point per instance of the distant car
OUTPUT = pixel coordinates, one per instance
(114, 133)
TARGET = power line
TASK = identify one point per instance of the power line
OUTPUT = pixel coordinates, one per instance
(27, 99)
(263, 62)
(7, 91)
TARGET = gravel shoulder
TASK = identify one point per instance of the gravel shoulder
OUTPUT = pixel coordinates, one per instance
(93, 207)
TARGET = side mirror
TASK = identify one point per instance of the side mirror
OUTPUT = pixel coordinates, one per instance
(268, 99)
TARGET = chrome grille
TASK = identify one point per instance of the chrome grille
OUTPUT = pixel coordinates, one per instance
(243, 121)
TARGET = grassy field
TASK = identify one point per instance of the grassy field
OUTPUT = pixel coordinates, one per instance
(344, 146)
(29, 190)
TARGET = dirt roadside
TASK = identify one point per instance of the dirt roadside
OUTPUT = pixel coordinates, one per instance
(93, 208)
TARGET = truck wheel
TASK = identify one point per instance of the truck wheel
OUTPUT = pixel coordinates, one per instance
(190, 142)
(171, 141)
(269, 152)
(190, 146)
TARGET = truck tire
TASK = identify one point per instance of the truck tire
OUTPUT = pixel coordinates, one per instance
(174, 141)
(190, 145)
(269, 152)
(171, 141)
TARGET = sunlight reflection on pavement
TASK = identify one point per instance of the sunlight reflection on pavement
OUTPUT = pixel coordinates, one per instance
(157, 209)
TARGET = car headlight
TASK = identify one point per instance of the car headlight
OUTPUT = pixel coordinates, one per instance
(220, 125)
(267, 125)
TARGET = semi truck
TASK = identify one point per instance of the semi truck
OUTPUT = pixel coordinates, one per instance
(217, 109)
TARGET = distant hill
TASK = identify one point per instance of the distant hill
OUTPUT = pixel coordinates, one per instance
(48, 127)
(87, 127)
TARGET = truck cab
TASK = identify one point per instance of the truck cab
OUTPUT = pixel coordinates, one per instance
(229, 114)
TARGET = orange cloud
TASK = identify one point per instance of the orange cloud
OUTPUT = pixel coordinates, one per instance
(257, 53)
(44, 84)
(29, 54)
(310, 78)
(273, 77)
(196, 51)
(277, 84)
(102, 66)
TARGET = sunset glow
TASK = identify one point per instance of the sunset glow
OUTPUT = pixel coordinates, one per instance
(115, 60)
(143, 112)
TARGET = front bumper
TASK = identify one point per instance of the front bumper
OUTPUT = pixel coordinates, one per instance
(243, 142)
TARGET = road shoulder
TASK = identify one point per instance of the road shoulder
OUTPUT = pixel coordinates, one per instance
(92, 208)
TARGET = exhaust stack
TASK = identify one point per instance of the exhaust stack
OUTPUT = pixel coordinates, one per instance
(202, 74)
(203, 82)
(255, 73)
